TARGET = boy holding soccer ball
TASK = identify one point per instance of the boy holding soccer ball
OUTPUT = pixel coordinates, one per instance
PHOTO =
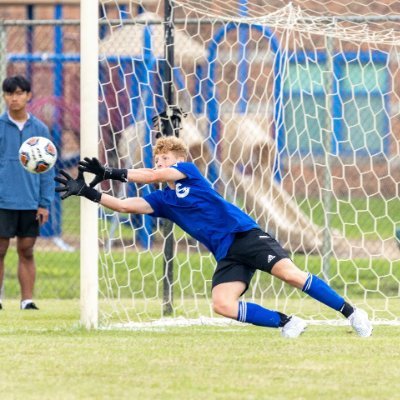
(239, 245)
(25, 198)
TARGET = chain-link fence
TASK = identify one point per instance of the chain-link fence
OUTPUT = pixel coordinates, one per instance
(47, 53)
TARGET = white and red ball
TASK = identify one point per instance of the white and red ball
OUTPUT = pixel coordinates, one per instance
(37, 154)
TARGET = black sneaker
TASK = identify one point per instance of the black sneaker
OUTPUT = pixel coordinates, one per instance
(31, 306)
(1, 306)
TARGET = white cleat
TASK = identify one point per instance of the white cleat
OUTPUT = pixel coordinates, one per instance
(294, 328)
(360, 323)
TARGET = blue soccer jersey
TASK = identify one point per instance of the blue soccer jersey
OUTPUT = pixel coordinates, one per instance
(200, 211)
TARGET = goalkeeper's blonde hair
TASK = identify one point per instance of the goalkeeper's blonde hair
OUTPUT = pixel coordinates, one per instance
(173, 144)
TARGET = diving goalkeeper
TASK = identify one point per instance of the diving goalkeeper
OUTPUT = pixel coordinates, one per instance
(238, 244)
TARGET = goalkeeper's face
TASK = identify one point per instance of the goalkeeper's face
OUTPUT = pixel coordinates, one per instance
(165, 160)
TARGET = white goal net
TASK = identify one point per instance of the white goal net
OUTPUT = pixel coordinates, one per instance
(293, 114)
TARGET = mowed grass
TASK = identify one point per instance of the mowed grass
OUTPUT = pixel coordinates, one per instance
(46, 355)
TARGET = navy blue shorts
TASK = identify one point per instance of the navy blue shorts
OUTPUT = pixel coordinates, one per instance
(251, 250)
(20, 223)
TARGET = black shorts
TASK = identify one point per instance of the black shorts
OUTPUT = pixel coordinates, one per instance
(20, 223)
(250, 251)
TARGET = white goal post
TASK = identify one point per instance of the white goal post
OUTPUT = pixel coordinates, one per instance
(293, 114)
(89, 148)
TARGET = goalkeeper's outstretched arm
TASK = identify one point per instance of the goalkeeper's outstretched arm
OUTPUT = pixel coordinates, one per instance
(77, 187)
(139, 175)
(132, 205)
(147, 175)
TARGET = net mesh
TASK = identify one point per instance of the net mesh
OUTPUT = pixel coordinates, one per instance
(292, 114)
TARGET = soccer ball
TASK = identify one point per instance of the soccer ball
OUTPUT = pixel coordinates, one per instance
(37, 154)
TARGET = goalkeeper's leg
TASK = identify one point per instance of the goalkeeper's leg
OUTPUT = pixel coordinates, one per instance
(319, 290)
(226, 302)
(315, 287)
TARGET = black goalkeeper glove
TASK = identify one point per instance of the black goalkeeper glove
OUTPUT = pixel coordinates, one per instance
(76, 187)
(102, 173)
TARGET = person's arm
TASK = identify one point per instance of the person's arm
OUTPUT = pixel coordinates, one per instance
(132, 205)
(139, 175)
(46, 194)
(46, 189)
(78, 187)
(147, 175)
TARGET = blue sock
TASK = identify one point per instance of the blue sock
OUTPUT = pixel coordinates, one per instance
(260, 316)
(320, 290)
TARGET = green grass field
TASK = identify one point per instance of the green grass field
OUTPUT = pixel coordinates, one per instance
(45, 355)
